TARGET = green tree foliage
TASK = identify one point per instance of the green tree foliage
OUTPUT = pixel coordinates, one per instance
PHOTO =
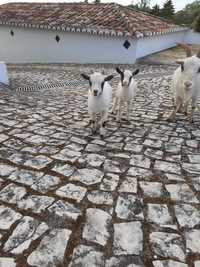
(168, 10)
(156, 10)
(196, 24)
(142, 5)
(188, 14)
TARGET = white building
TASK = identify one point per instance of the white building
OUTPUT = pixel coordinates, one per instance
(83, 33)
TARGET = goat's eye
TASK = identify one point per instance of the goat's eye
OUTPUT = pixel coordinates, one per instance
(198, 70)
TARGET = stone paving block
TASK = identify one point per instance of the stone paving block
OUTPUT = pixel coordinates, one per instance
(159, 214)
(193, 241)
(152, 189)
(72, 191)
(153, 143)
(7, 262)
(67, 155)
(167, 167)
(110, 182)
(51, 249)
(129, 185)
(140, 161)
(3, 137)
(25, 176)
(35, 203)
(38, 162)
(65, 170)
(65, 210)
(167, 245)
(153, 153)
(46, 183)
(26, 231)
(121, 262)
(187, 215)
(181, 192)
(8, 217)
(192, 168)
(129, 207)
(113, 166)
(169, 263)
(12, 193)
(86, 256)
(95, 160)
(140, 172)
(87, 176)
(6, 169)
(96, 226)
(128, 238)
(100, 197)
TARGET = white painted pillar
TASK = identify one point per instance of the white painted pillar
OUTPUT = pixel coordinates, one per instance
(3, 73)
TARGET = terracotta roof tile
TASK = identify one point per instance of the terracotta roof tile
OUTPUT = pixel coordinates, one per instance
(94, 18)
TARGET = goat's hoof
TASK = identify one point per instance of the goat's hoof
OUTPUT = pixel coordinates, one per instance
(104, 123)
(170, 119)
(191, 119)
(91, 122)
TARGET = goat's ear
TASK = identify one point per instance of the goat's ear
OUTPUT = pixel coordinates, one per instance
(119, 71)
(85, 76)
(180, 62)
(136, 72)
(108, 78)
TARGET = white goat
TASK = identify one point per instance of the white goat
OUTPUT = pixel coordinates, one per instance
(186, 83)
(126, 90)
(99, 99)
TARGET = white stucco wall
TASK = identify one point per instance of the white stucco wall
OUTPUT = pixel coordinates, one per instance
(150, 45)
(29, 45)
(40, 46)
(192, 37)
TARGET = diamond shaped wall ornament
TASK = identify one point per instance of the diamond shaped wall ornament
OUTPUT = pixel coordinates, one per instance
(12, 32)
(127, 44)
(57, 38)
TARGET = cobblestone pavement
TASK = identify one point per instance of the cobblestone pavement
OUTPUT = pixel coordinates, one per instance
(69, 198)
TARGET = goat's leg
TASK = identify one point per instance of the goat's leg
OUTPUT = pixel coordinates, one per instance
(102, 123)
(176, 108)
(185, 108)
(93, 122)
(114, 105)
(128, 110)
(119, 110)
(191, 116)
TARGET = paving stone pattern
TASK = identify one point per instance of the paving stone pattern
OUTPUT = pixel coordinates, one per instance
(70, 198)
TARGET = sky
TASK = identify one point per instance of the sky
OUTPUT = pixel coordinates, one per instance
(179, 4)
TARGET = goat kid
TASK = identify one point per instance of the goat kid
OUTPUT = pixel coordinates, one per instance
(126, 90)
(186, 84)
(99, 99)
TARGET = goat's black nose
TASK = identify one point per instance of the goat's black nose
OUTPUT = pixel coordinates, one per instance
(95, 92)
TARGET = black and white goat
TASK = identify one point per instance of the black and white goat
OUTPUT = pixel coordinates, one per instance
(186, 83)
(99, 99)
(126, 90)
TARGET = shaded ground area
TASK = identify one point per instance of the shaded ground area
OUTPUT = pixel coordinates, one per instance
(69, 198)
(169, 56)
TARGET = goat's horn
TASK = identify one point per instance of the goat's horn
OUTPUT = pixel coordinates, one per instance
(198, 54)
(187, 49)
